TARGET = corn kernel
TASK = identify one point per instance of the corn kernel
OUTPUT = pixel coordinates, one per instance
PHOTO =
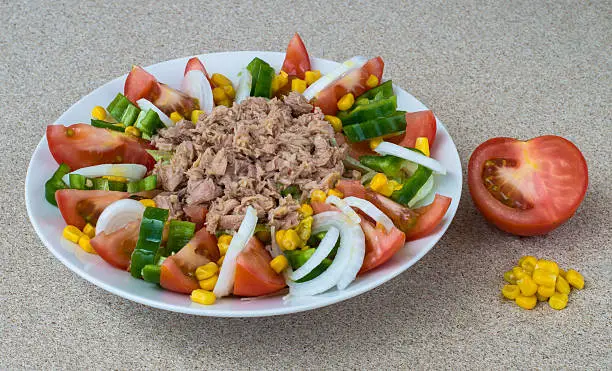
(280, 81)
(335, 122)
(510, 291)
(548, 265)
(562, 286)
(528, 263)
(298, 85)
(558, 301)
(209, 283)
(72, 233)
(147, 202)
(133, 131)
(519, 272)
(372, 81)
(395, 185)
(509, 277)
(86, 245)
(375, 143)
(527, 286)
(225, 102)
(89, 230)
(279, 263)
(98, 113)
(220, 261)
(546, 291)
(280, 235)
(335, 192)
(175, 116)
(422, 144)
(317, 196)
(306, 210)
(220, 80)
(544, 278)
(526, 302)
(206, 271)
(346, 102)
(229, 91)
(378, 182)
(195, 115)
(203, 297)
(562, 273)
(290, 240)
(223, 243)
(312, 76)
(219, 95)
(575, 279)
(304, 229)
(115, 178)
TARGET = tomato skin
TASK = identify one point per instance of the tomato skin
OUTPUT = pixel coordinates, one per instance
(139, 84)
(116, 248)
(253, 276)
(556, 180)
(174, 279)
(321, 207)
(78, 207)
(297, 61)
(354, 82)
(82, 145)
(351, 188)
(196, 64)
(380, 245)
(418, 124)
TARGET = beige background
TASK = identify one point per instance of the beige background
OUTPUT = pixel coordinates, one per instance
(509, 68)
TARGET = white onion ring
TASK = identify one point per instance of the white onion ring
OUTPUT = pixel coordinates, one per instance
(321, 252)
(197, 86)
(370, 210)
(346, 67)
(344, 207)
(387, 148)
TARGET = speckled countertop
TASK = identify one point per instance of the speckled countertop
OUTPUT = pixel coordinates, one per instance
(518, 69)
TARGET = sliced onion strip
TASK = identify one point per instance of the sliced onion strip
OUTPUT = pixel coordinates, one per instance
(370, 210)
(337, 201)
(387, 148)
(321, 252)
(352, 64)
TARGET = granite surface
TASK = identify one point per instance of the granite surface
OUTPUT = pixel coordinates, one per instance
(486, 68)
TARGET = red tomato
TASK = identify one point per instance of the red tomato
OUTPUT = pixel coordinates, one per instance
(80, 207)
(196, 64)
(116, 248)
(254, 277)
(174, 279)
(353, 82)
(418, 124)
(527, 187)
(321, 207)
(297, 61)
(139, 84)
(351, 188)
(82, 145)
(380, 245)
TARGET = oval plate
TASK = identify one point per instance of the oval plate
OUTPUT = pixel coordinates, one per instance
(48, 222)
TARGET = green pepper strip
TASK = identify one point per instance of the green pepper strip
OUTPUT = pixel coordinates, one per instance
(148, 122)
(261, 78)
(147, 184)
(370, 111)
(55, 183)
(376, 128)
(107, 125)
(391, 166)
(149, 239)
(77, 181)
(179, 233)
(386, 88)
(151, 273)
(412, 185)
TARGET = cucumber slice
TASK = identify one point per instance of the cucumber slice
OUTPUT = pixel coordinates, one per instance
(376, 128)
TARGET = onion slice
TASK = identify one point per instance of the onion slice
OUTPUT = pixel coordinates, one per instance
(197, 86)
(244, 86)
(370, 210)
(144, 105)
(118, 214)
(225, 283)
(322, 251)
(352, 64)
(337, 201)
(130, 171)
(276, 251)
(387, 148)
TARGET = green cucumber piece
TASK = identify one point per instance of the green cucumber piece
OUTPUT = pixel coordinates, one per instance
(148, 122)
(149, 239)
(365, 112)
(100, 184)
(151, 273)
(77, 181)
(376, 128)
(116, 186)
(117, 106)
(130, 115)
(179, 234)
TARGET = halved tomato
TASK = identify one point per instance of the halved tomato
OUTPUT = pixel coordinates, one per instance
(116, 248)
(253, 276)
(351, 188)
(82, 145)
(353, 82)
(297, 61)
(418, 124)
(527, 187)
(196, 64)
(81, 207)
(380, 244)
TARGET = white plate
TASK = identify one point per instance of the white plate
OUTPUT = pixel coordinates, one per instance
(49, 224)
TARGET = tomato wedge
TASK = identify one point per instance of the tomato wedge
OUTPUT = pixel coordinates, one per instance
(196, 64)
(321, 207)
(380, 244)
(297, 61)
(353, 82)
(527, 187)
(418, 124)
(351, 188)
(81, 207)
(82, 145)
(116, 248)
(253, 276)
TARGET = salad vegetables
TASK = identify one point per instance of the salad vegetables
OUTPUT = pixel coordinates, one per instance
(136, 189)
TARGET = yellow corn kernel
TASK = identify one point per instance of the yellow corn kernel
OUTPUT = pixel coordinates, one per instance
(275, 86)
(209, 283)
(115, 178)
(206, 271)
(527, 286)
(72, 233)
(280, 81)
(378, 182)
(98, 113)
(290, 240)
(562, 286)
(147, 202)
(546, 291)
(306, 210)
(562, 273)
(558, 301)
(528, 263)
(575, 279)
(312, 76)
(375, 143)
(372, 81)
(509, 277)
(395, 185)
(195, 115)
(298, 85)
(422, 144)
(280, 235)
(279, 263)
(335, 122)
(219, 95)
(526, 302)
(133, 131)
(548, 265)
(346, 102)
(220, 80)
(304, 229)
(519, 272)
(318, 196)
(225, 102)
(203, 297)
(544, 278)
(511, 291)
(86, 245)
(175, 116)
(229, 91)
(223, 243)
(335, 192)
(220, 261)
(89, 230)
